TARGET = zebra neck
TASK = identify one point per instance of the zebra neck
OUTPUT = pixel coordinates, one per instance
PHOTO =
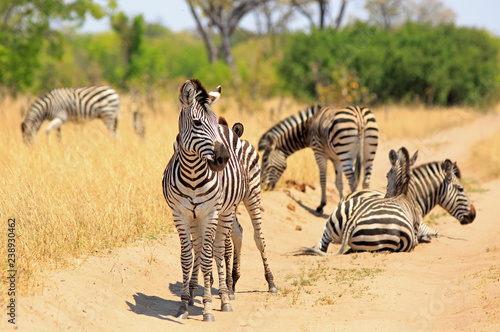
(294, 138)
(425, 195)
(192, 166)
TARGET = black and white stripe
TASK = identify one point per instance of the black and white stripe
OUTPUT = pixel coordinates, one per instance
(348, 137)
(72, 104)
(203, 183)
(434, 183)
(385, 224)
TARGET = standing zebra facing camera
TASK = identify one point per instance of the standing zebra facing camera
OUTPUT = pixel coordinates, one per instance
(348, 137)
(434, 183)
(72, 104)
(203, 184)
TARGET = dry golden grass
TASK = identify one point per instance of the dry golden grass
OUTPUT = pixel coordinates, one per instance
(399, 121)
(85, 195)
(486, 153)
(91, 193)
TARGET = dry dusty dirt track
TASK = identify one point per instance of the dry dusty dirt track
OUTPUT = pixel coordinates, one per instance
(446, 285)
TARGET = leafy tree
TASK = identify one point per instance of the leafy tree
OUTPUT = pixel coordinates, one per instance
(132, 38)
(443, 65)
(26, 25)
(225, 15)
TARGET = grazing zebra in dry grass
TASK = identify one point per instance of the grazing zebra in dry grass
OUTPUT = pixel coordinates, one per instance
(348, 137)
(434, 183)
(72, 104)
(385, 224)
(203, 184)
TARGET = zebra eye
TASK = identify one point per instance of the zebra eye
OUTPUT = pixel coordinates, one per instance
(197, 123)
(460, 189)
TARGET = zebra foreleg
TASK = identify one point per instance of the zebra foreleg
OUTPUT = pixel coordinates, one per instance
(54, 124)
(193, 283)
(206, 262)
(223, 229)
(187, 264)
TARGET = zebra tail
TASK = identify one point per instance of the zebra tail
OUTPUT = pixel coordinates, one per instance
(357, 167)
(452, 238)
(307, 251)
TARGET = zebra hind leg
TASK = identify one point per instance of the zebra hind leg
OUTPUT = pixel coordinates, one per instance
(228, 253)
(237, 238)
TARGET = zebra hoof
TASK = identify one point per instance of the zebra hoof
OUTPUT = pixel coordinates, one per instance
(208, 318)
(182, 314)
(232, 297)
(227, 307)
(319, 210)
(273, 290)
(191, 302)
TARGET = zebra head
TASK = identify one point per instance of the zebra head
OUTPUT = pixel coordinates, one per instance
(29, 133)
(273, 162)
(198, 125)
(453, 197)
(398, 177)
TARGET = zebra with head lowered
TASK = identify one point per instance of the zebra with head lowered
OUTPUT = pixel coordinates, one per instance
(72, 104)
(431, 184)
(348, 137)
(203, 183)
(385, 224)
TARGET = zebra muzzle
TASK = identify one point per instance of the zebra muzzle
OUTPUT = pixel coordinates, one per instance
(470, 217)
(221, 157)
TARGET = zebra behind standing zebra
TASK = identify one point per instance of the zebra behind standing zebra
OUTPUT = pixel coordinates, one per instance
(385, 224)
(348, 137)
(203, 183)
(72, 104)
(434, 183)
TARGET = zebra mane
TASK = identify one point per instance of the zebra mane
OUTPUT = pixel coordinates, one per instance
(401, 173)
(441, 164)
(200, 93)
(223, 121)
(406, 171)
(286, 125)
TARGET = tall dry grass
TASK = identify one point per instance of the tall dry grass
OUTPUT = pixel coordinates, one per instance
(91, 193)
(486, 158)
(399, 121)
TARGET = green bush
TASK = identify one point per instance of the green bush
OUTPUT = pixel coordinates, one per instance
(444, 65)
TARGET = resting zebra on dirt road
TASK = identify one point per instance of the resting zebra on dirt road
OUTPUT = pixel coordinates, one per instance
(385, 224)
(72, 104)
(434, 183)
(348, 137)
(203, 183)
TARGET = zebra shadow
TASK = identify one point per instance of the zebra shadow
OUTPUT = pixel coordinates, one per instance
(307, 208)
(160, 308)
(154, 306)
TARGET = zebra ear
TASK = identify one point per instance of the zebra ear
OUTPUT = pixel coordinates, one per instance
(414, 158)
(187, 93)
(448, 170)
(393, 157)
(214, 95)
(238, 129)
